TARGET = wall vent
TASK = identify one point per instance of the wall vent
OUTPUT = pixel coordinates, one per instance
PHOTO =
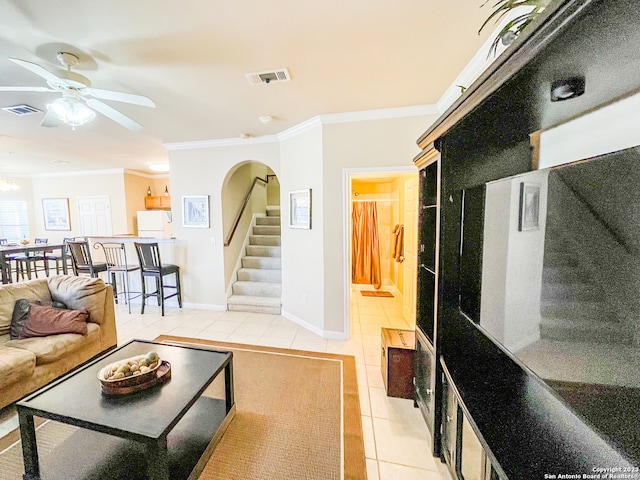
(21, 109)
(279, 75)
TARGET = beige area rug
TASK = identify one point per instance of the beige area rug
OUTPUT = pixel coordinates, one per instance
(377, 293)
(297, 417)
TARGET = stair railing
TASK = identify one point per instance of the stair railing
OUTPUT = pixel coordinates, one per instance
(244, 206)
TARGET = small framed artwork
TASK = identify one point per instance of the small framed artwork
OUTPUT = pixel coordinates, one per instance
(300, 209)
(195, 211)
(56, 213)
(529, 216)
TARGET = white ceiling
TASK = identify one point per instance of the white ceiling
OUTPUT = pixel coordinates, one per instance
(191, 58)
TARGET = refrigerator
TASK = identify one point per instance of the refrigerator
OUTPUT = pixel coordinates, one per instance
(154, 223)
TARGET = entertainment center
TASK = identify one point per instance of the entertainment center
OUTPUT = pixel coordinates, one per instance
(527, 337)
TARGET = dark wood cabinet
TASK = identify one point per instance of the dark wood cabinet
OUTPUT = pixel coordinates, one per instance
(397, 362)
(427, 288)
(424, 358)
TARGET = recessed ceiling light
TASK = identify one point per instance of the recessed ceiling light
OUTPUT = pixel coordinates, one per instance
(159, 167)
(245, 135)
(265, 118)
(60, 162)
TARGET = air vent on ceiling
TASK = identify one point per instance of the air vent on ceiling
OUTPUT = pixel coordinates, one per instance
(22, 110)
(279, 75)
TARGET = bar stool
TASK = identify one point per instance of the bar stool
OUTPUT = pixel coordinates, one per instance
(152, 266)
(81, 259)
(116, 257)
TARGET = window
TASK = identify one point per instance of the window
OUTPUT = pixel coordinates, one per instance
(14, 221)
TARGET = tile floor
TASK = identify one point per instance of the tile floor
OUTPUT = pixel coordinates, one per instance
(397, 442)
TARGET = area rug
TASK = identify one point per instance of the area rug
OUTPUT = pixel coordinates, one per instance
(377, 293)
(297, 416)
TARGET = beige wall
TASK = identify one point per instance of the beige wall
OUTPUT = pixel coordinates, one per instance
(302, 250)
(135, 188)
(313, 261)
(375, 143)
(108, 183)
(200, 251)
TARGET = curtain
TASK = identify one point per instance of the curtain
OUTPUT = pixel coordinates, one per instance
(365, 266)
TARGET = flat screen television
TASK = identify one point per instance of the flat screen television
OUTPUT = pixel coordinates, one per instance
(560, 285)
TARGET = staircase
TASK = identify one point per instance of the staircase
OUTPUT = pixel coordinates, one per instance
(575, 306)
(259, 285)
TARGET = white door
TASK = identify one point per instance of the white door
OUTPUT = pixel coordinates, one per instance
(95, 216)
(410, 249)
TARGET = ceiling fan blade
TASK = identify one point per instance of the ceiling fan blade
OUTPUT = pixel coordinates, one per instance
(50, 120)
(114, 115)
(26, 89)
(38, 70)
(120, 97)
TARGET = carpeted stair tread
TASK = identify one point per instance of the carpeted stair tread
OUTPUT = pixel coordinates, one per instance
(260, 275)
(260, 289)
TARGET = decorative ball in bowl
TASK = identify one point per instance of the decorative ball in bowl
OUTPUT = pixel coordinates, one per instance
(130, 371)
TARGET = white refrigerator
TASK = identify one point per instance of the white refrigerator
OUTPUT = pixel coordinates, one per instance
(154, 223)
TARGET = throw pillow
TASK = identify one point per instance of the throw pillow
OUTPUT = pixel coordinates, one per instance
(20, 313)
(43, 321)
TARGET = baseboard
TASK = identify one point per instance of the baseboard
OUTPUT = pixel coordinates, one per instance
(204, 306)
(328, 334)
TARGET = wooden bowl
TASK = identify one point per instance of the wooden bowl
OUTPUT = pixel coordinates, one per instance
(135, 379)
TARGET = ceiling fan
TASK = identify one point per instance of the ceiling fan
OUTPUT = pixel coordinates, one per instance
(79, 99)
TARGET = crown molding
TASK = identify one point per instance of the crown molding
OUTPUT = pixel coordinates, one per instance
(109, 171)
(222, 142)
(146, 175)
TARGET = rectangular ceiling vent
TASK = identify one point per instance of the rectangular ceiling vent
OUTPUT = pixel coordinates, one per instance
(273, 76)
(21, 110)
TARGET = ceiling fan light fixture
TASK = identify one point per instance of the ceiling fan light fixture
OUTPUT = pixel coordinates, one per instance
(8, 185)
(71, 111)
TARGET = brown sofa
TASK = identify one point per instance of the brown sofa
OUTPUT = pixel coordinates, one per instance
(30, 363)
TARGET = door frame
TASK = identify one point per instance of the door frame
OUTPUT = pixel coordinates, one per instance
(347, 173)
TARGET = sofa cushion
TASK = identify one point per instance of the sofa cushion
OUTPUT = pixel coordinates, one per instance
(80, 293)
(15, 365)
(52, 348)
(19, 317)
(32, 291)
(43, 320)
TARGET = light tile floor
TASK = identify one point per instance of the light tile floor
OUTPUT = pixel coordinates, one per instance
(397, 442)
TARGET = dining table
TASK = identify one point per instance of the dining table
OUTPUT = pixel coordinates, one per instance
(6, 250)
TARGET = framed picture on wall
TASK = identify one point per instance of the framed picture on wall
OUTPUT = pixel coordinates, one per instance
(195, 211)
(56, 213)
(529, 216)
(300, 209)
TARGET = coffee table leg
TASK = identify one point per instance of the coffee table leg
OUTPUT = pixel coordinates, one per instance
(158, 458)
(228, 381)
(29, 447)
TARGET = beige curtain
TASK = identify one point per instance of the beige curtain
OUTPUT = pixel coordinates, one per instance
(365, 266)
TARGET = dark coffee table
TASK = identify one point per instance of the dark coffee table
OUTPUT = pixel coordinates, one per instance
(165, 432)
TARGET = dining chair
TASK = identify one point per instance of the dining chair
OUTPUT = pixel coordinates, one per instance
(29, 261)
(115, 255)
(152, 266)
(56, 257)
(7, 261)
(81, 259)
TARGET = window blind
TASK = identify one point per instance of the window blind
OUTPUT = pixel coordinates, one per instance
(14, 221)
